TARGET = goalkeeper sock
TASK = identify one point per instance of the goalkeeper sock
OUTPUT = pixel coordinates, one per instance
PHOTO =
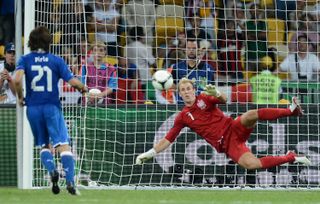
(47, 160)
(68, 166)
(273, 113)
(271, 161)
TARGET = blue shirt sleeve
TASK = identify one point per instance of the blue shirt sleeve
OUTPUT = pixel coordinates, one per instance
(83, 74)
(174, 73)
(113, 81)
(21, 64)
(210, 71)
(132, 71)
(65, 73)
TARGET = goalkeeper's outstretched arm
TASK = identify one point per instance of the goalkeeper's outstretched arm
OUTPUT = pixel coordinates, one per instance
(212, 90)
(159, 147)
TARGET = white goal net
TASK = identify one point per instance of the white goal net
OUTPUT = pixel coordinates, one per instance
(236, 42)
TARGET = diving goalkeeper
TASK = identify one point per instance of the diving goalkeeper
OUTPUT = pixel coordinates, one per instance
(225, 134)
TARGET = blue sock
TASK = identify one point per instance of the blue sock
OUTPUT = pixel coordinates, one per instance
(68, 166)
(47, 160)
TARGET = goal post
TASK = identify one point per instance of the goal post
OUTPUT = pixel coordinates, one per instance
(25, 155)
(107, 138)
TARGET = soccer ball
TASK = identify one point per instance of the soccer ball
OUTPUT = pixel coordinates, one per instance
(162, 80)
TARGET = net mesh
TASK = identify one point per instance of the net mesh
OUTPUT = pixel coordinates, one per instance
(236, 42)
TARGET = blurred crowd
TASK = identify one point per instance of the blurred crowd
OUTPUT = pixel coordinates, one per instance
(247, 46)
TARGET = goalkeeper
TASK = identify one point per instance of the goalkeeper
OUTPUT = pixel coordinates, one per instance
(225, 134)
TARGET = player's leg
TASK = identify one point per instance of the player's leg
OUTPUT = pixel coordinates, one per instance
(41, 138)
(68, 166)
(60, 138)
(250, 118)
(48, 161)
(249, 161)
(241, 154)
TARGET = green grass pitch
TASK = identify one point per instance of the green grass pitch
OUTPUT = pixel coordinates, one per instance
(16, 196)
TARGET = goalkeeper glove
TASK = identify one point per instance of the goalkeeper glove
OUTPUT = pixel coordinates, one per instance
(146, 156)
(211, 90)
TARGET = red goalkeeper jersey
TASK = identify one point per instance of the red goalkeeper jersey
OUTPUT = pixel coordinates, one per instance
(204, 118)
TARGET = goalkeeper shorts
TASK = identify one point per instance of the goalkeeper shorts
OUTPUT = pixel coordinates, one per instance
(236, 140)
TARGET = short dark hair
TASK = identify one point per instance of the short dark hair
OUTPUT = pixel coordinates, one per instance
(136, 33)
(40, 38)
(303, 36)
(194, 40)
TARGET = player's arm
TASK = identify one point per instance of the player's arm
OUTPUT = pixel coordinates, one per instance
(5, 75)
(18, 85)
(211, 90)
(222, 97)
(164, 143)
(76, 83)
(159, 147)
(11, 84)
(2, 79)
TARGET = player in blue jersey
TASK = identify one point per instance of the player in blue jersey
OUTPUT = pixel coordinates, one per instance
(193, 68)
(42, 71)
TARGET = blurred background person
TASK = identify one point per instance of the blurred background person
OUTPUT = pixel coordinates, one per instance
(255, 38)
(307, 25)
(139, 53)
(7, 26)
(7, 68)
(140, 13)
(302, 65)
(107, 19)
(129, 86)
(177, 50)
(229, 54)
(101, 75)
(265, 85)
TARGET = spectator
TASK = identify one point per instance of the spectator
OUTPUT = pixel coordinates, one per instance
(176, 50)
(315, 12)
(308, 27)
(7, 26)
(296, 15)
(206, 50)
(193, 67)
(140, 13)
(255, 38)
(72, 62)
(140, 54)
(265, 86)
(284, 8)
(206, 11)
(82, 23)
(196, 31)
(102, 76)
(302, 65)
(70, 59)
(7, 68)
(107, 19)
(229, 53)
(85, 55)
(126, 70)
(240, 17)
(129, 87)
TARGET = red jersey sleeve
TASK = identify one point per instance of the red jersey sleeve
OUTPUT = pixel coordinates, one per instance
(175, 130)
